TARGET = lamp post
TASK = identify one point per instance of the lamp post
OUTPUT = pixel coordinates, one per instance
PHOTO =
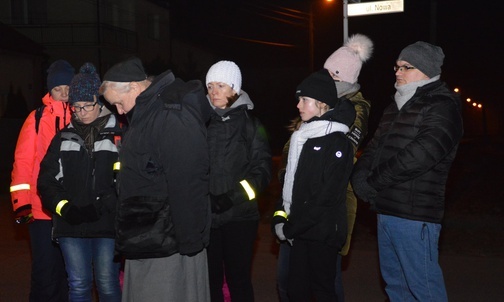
(311, 39)
(345, 20)
(477, 106)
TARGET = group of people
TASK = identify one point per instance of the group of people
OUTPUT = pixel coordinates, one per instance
(173, 192)
(401, 173)
(170, 196)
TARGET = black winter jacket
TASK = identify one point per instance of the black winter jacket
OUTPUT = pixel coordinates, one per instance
(239, 150)
(69, 172)
(408, 160)
(163, 183)
(318, 210)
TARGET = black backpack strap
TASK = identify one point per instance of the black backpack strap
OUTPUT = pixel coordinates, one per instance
(38, 116)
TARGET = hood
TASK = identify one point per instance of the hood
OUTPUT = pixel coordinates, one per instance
(242, 101)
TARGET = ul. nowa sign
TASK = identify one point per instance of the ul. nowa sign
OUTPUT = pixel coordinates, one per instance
(376, 7)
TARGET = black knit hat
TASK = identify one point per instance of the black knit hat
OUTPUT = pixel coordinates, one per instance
(320, 86)
(130, 70)
(85, 85)
(59, 73)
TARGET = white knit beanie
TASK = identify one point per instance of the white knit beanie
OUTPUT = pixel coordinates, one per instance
(225, 72)
(346, 61)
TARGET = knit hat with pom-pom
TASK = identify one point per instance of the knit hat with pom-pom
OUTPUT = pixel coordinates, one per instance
(85, 85)
(346, 61)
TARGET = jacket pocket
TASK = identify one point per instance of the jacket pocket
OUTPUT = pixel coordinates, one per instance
(145, 228)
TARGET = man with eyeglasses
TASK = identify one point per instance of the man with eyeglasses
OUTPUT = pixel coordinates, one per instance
(402, 173)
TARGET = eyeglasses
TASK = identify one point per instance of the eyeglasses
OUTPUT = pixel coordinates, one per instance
(403, 68)
(86, 108)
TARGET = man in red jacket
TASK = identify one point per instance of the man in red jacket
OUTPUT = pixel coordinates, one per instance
(48, 276)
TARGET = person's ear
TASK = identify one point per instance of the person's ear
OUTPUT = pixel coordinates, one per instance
(134, 86)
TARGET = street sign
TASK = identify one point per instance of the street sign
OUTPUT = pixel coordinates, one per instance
(376, 7)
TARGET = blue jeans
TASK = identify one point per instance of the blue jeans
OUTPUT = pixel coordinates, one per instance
(408, 251)
(82, 256)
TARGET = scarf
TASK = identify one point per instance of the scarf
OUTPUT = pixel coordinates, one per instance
(89, 132)
(345, 88)
(405, 92)
(298, 139)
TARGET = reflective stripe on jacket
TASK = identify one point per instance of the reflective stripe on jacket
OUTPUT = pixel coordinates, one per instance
(30, 150)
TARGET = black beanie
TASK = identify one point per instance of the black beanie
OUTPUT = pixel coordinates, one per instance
(320, 86)
(130, 70)
(85, 85)
(59, 73)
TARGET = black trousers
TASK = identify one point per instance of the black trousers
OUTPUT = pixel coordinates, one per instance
(48, 276)
(230, 255)
(312, 271)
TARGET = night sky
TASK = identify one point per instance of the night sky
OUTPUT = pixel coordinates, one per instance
(269, 40)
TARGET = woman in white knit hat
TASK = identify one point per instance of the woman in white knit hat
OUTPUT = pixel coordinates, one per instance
(240, 168)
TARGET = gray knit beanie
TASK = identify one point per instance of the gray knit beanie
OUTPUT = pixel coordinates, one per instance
(426, 57)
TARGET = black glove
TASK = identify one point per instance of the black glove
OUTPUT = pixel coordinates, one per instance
(107, 202)
(76, 215)
(219, 220)
(362, 188)
(24, 214)
(220, 203)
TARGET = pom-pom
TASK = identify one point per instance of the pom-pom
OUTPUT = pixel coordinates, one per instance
(362, 45)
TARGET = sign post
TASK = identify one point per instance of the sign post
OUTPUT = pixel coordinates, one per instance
(368, 8)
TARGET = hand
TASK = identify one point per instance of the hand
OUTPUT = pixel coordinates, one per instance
(24, 215)
(362, 188)
(76, 215)
(220, 203)
(219, 220)
(107, 202)
(92, 212)
(279, 231)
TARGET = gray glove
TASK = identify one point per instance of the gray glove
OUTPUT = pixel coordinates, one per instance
(279, 231)
(280, 234)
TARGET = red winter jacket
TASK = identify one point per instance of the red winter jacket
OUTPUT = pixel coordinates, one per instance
(31, 148)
